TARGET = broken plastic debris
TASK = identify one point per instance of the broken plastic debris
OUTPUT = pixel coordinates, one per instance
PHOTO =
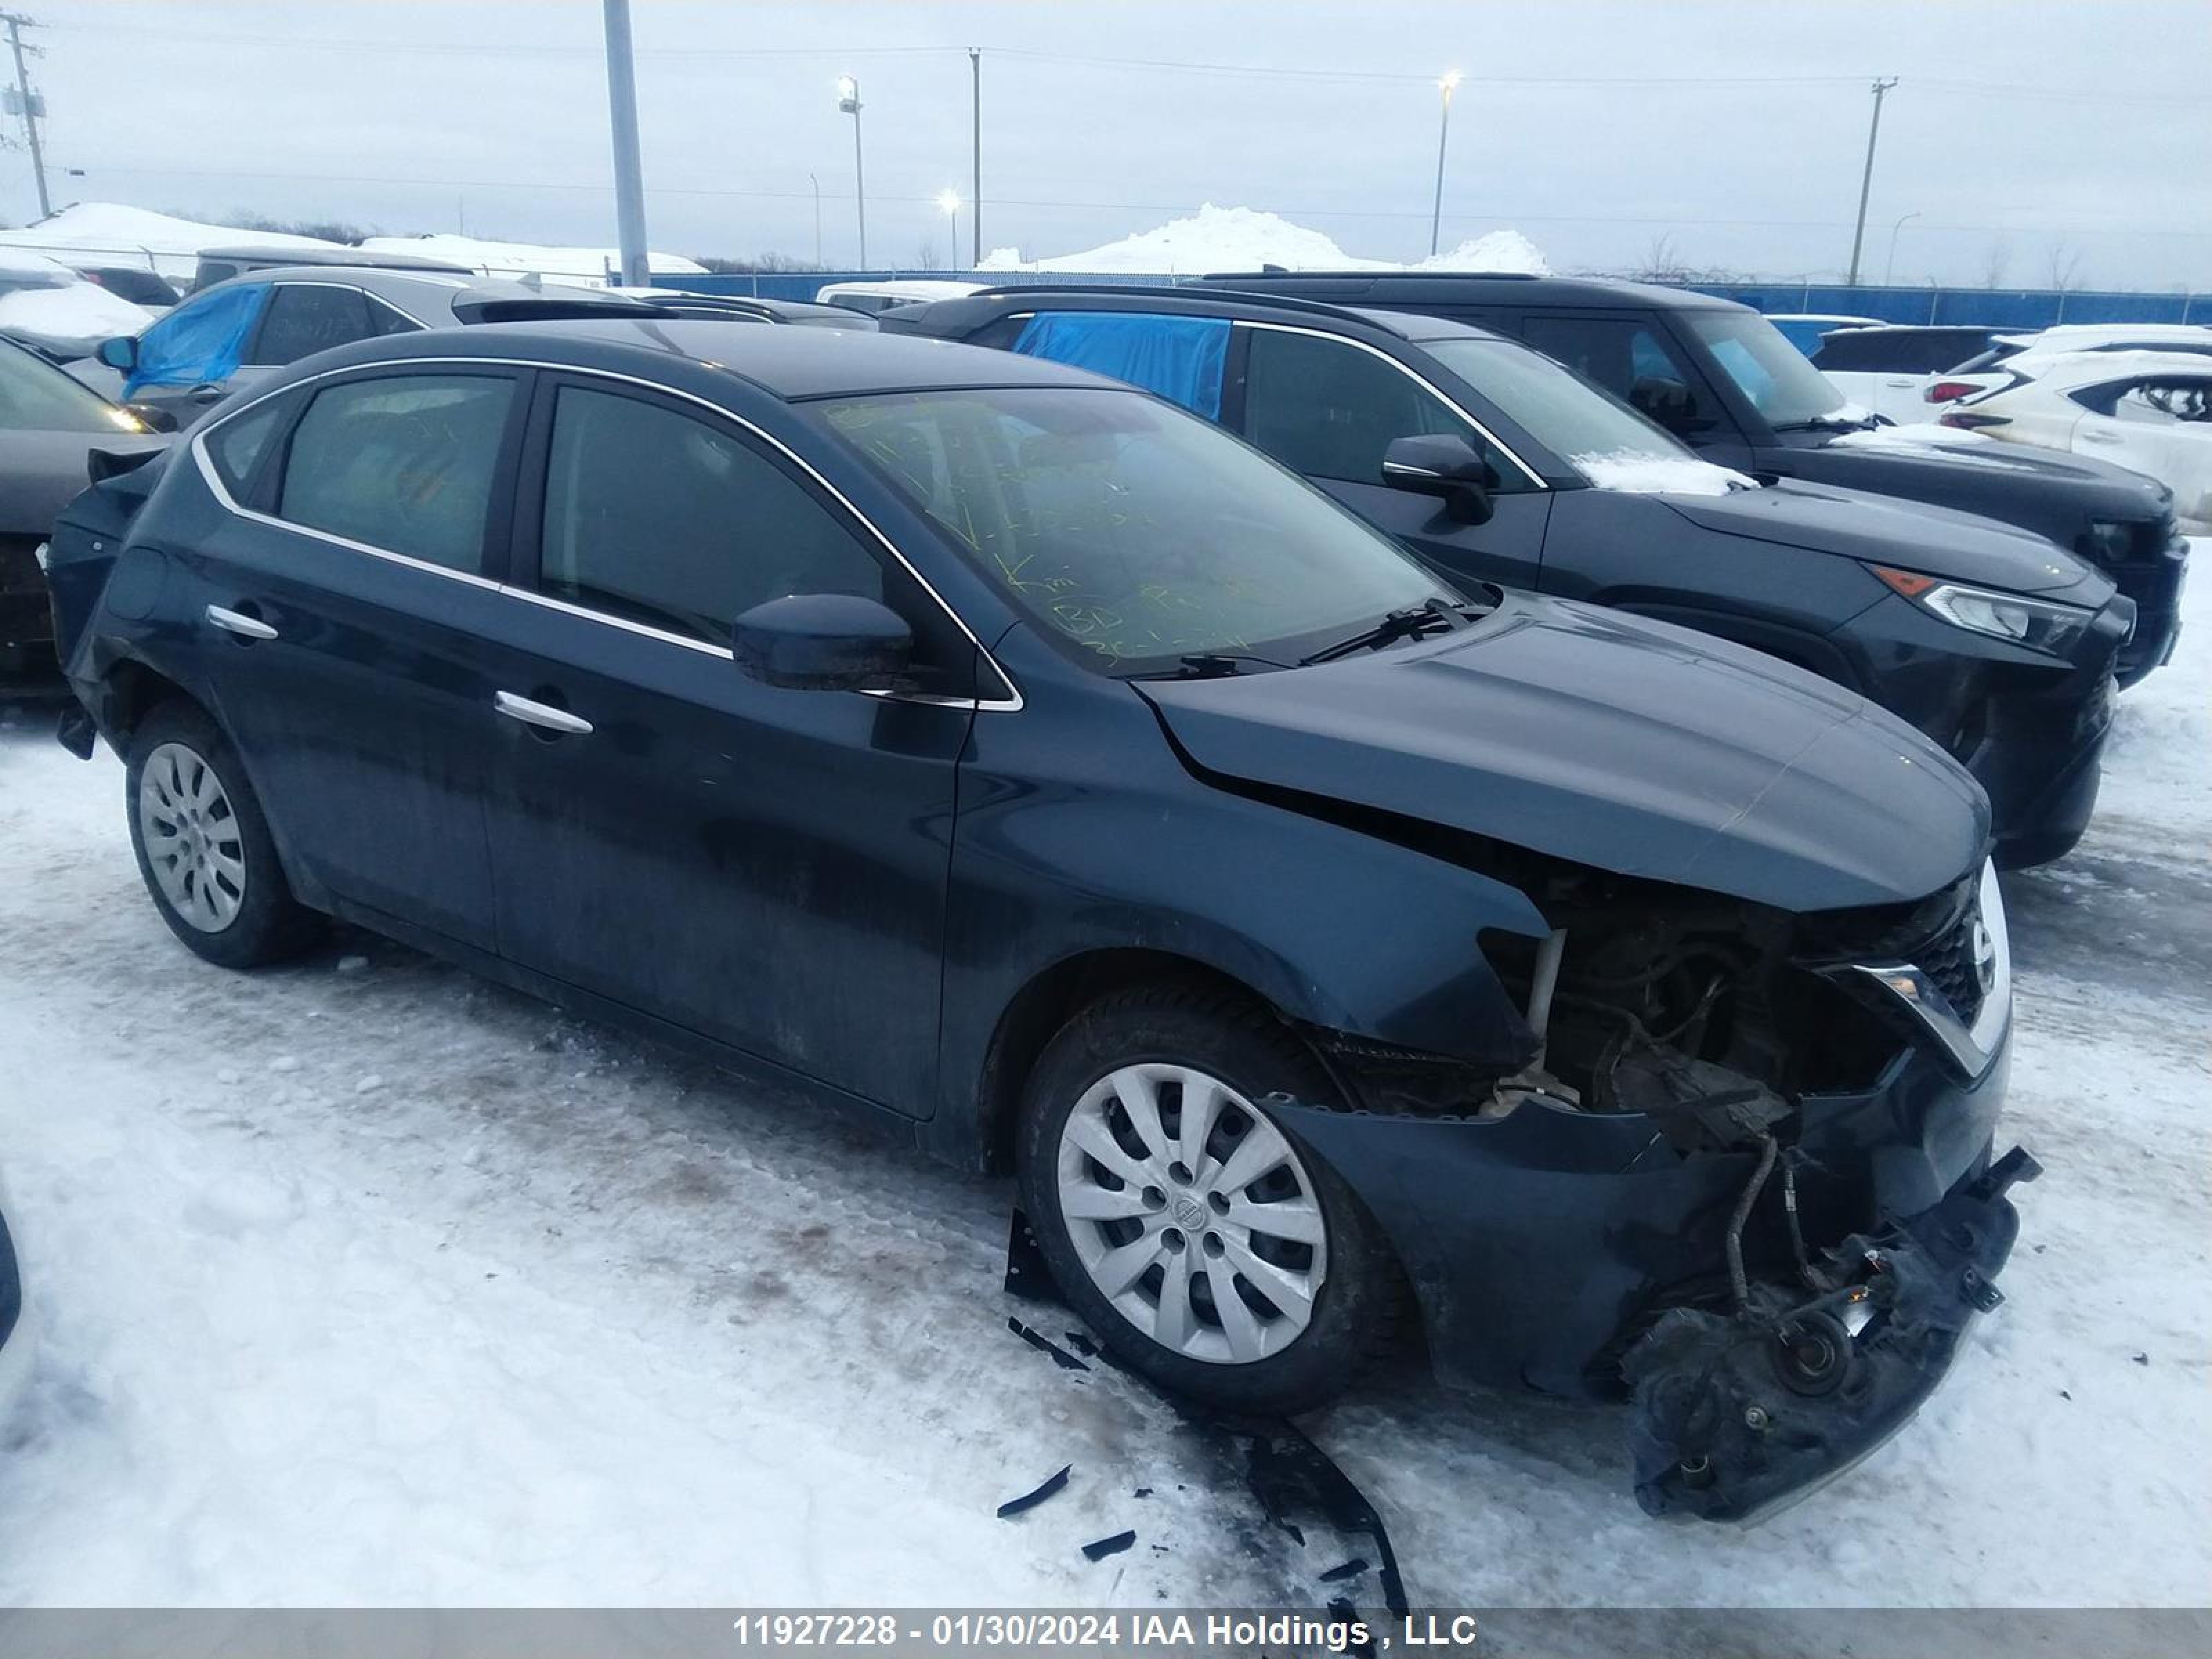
(1061, 1358)
(1106, 1546)
(1351, 1569)
(1029, 1500)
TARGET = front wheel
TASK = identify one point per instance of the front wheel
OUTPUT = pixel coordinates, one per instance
(1207, 1247)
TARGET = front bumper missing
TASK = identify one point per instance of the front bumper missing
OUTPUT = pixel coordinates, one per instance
(1736, 1414)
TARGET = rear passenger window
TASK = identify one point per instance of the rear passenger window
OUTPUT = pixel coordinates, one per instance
(661, 519)
(236, 445)
(304, 319)
(404, 463)
(1328, 410)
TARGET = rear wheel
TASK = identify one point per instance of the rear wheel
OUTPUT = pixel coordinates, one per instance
(1206, 1246)
(203, 847)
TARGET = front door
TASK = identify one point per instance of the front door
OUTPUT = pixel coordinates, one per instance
(1329, 408)
(1635, 358)
(763, 867)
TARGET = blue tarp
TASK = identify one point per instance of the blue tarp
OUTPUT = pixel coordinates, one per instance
(1181, 358)
(199, 342)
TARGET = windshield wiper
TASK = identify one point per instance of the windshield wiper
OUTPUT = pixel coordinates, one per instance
(1409, 624)
(1210, 666)
(1828, 424)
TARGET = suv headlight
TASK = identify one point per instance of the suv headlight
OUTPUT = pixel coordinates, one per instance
(2038, 624)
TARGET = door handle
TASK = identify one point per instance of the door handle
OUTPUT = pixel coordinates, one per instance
(207, 394)
(236, 622)
(540, 714)
(2099, 438)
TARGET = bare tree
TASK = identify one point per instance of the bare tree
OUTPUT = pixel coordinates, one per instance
(1996, 262)
(2065, 265)
(925, 258)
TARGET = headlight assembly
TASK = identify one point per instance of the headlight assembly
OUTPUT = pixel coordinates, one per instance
(2038, 624)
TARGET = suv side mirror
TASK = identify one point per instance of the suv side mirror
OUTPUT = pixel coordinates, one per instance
(121, 352)
(824, 642)
(154, 417)
(1440, 464)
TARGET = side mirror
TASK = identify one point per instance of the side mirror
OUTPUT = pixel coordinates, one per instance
(824, 642)
(121, 352)
(1443, 465)
(154, 417)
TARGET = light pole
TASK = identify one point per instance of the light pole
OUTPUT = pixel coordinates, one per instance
(949, 200)
(1447, 86)
(848, 100)
(1889, 267)
(817, 183)
(622, 117)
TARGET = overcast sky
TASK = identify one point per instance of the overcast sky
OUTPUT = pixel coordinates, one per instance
(2026, 137)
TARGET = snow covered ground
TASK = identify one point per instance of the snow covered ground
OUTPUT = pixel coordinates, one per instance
(366, 1282)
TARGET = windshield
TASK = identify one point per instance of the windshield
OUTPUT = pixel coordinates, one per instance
(36, 396)
(1566, 414)
(1780, 383)
(1136, 534)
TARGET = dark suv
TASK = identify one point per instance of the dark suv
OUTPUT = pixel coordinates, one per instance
(1494, 464)
(824, 703)
(1722, 378)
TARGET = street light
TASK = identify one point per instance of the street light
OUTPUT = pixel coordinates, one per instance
(1890, 269)
(1449, 85)
(849, 100)
(949, 202)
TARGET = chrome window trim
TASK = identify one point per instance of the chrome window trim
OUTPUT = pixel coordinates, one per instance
(1413, 375)
(1974, 1047)
(1010, 702)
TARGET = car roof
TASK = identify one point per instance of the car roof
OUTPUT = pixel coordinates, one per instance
(335, 256)
(2066, 368)
(793, 364)
(1222, 302)
(1476, 287)
(443, 289)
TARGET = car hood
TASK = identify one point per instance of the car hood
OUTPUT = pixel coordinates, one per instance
(1982, 477)
(1938, 541)
(1614, 741)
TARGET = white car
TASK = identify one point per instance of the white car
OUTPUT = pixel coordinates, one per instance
(1889, 367)
(874, 297)
(2148, 410)
(2011, 358)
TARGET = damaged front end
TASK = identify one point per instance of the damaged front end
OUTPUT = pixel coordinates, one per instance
(1743, 1178)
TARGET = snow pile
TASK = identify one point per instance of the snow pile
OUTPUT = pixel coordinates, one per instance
(72, 319)
(20, 265)
(570, 264)
(1496, 250)
(1640, 473)
(1212, 238)
(84, 232)
(1916, 434)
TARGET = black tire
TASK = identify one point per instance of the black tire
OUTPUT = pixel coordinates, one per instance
(270, 923)
(1357, 1310)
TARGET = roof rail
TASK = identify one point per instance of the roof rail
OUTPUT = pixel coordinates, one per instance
(1181, 291)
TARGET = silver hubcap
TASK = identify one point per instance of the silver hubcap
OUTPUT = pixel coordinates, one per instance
(1192, 1213)
(191, 837)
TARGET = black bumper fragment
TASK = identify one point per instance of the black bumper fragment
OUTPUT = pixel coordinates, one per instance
(1735, 1415)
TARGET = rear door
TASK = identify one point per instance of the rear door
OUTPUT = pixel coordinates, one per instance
(1328, 407)
(342, 600)
(763, 867)
(2161, 426)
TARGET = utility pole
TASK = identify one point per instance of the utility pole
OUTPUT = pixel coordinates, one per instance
(1866, 179)
(29, 106)
(630, 178)
(817, 183)
(976, 143)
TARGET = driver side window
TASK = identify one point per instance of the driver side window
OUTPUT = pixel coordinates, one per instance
(1328, 410)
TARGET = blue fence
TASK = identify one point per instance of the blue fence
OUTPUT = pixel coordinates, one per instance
(2017, 308)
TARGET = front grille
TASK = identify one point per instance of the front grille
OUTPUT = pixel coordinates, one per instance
(1949, 959)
